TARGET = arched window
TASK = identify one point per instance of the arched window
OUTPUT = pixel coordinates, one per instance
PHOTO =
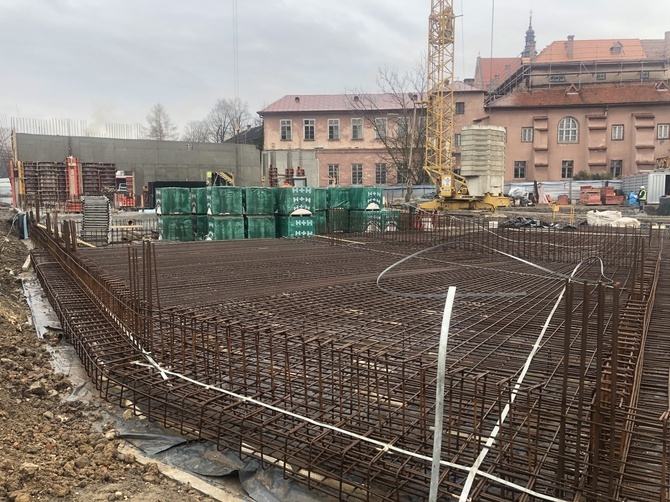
(568, 130)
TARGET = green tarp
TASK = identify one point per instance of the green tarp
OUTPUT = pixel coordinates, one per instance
(261, 227)
(201, 226)
(173, 201)
(175, 228)
(338, 220)
(320, 222)
(199, 200)
(386, 220)
(361, 197)
(224, 200)
(259, 200)
(295, 226)
(338, 198)
(320, 199)
(225, 228)
(292, 198)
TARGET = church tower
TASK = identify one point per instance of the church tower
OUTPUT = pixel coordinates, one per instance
(529, 51)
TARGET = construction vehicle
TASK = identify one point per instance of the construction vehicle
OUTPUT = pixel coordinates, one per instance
(451, 188)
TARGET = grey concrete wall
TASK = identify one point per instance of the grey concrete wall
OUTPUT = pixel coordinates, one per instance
(283, 159)
(148, 160)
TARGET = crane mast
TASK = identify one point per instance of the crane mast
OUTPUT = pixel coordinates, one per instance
(440, 96)
(451, 188)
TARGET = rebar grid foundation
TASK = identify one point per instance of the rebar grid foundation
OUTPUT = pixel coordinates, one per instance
(289, 352)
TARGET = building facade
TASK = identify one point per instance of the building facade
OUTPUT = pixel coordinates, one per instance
(343, 139)
(604, 130)
(581, 108)
(578, 108)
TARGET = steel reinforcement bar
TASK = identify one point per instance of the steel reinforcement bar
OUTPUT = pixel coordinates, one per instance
(342, 396)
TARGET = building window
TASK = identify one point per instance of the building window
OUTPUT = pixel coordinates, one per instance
(567, 168)
(526, 134)
(402, 127)
(556, 78)
(601, 76)
(617, 132)
(616, 166)
(520, 169)
(402, 176)
(285, 126)
(334, 129)
(356, 174)
(457, 140)
(568, 131)
(333, 174)
(644, 75)
(308, 126)
(380, 128)
(356, 128)
(663, 131)
(459, 108)
(380, 174)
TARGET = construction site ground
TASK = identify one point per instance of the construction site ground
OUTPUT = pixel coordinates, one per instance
(281, 302)
(52, 448)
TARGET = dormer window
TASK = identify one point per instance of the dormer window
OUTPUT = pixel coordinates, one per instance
(616, 49)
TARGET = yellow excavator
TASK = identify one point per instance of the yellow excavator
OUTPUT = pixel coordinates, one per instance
(451, 188)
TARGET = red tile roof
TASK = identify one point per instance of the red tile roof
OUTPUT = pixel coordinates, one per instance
(588, 95)
(495, 70)
(591, 50)
(343, 102)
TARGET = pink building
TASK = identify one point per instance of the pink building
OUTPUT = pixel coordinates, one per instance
(600, 107)
(604, 129)
(337, 139)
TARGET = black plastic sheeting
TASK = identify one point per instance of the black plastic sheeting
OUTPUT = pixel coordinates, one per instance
(203, 459)
(527, 222)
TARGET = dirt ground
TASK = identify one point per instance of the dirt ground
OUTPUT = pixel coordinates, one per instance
(49, 449)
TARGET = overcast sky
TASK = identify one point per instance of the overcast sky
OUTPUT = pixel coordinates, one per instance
(109, 61)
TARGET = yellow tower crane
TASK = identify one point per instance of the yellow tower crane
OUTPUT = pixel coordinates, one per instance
(451, 188)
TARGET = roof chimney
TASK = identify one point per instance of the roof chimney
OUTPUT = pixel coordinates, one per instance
(570, 46)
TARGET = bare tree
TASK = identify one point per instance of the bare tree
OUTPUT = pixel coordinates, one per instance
(6, 154)
(197, 131)
(397, 116)
(160, 125)
(228, 117)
